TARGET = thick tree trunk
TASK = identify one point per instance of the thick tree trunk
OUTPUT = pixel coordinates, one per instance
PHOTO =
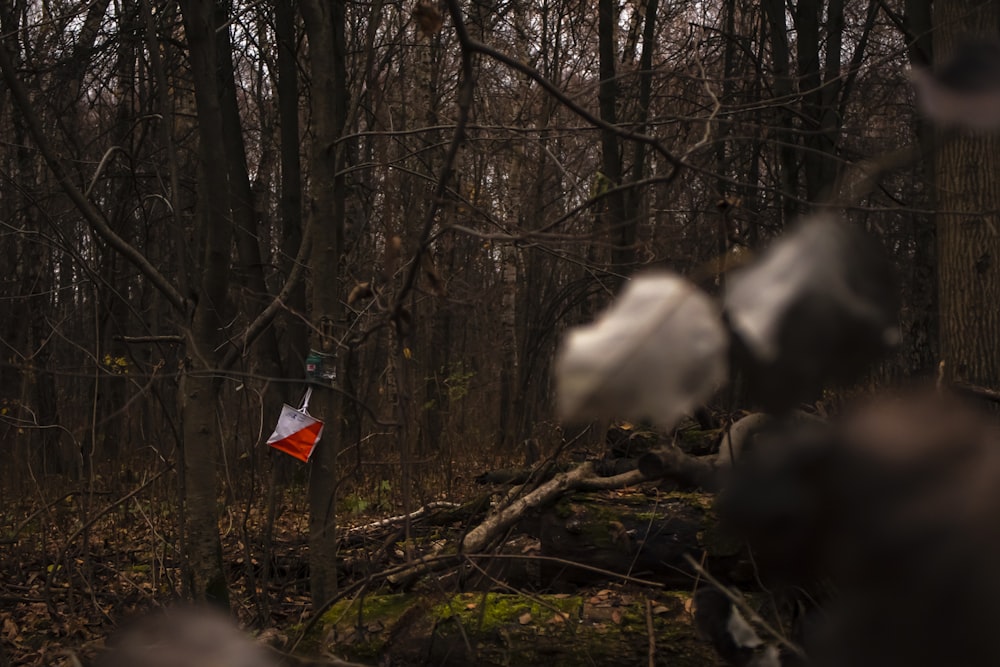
(199, 391)
(968, 196)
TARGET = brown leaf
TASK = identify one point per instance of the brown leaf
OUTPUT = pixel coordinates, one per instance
(435, 284)
(524, 618)
(359, 292)
(9, 629)
(728, 202)
(393, 247)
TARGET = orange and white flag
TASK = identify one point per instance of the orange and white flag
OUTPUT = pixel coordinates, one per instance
(297, 431)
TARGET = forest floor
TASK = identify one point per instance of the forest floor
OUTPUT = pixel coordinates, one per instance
(64, 591)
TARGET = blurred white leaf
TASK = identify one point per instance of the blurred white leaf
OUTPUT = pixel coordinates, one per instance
(965, 90)
(656, 353)
(818, 307)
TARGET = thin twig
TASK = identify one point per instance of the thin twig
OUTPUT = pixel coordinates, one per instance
(742, 605)
(650, 633)
(465, 96)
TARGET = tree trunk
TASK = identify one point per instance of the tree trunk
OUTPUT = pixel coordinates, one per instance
(784, 134)
(622, 230)
(244, 214)
(921, 335)
(968, 193)
(199, 390)
(634, 200)
(510, 369)
(324, 24)
(295, 342)
(807, 17)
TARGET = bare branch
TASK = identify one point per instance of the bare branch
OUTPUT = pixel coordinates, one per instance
(138, 340)
(90, 212)
(266, 316)
(465, 93)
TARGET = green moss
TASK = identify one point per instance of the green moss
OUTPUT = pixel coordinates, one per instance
(698, 436)
(508, 629)
(365, 622)
(491, 611)
(598, 519)
(705, 501)
(370, 609)
(564, 509)
(630, 500)
(602, 633)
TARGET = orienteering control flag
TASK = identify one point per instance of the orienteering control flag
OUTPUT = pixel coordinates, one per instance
(297, 431)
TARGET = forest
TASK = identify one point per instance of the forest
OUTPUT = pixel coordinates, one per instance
(210, 207)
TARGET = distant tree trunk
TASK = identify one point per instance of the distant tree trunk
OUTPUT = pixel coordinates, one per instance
(295, 342)
(511, 407)
(807, 17)
(622, 230)
(244, 216)
(39, 398)
(830, 119)
(968, 196)
(33, 390)
(921, 337)
(438, 336)
(437, 403)
(784, 135)
(324, 24)
(633, 199)
(510, 423)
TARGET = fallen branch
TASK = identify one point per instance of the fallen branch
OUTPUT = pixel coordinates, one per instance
(483, 535)
(671, 463)
(976, 391)
(353, 533)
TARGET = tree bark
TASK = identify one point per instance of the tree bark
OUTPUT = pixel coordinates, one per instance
(968, 196)
(199, 390)
(633, 199)
(296, 338)
(784, 136)
(256, 296)
(622, 230)
(921, 335)
(324, 24)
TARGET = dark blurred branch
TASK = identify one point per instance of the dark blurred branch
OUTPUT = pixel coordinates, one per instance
(671, 463)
